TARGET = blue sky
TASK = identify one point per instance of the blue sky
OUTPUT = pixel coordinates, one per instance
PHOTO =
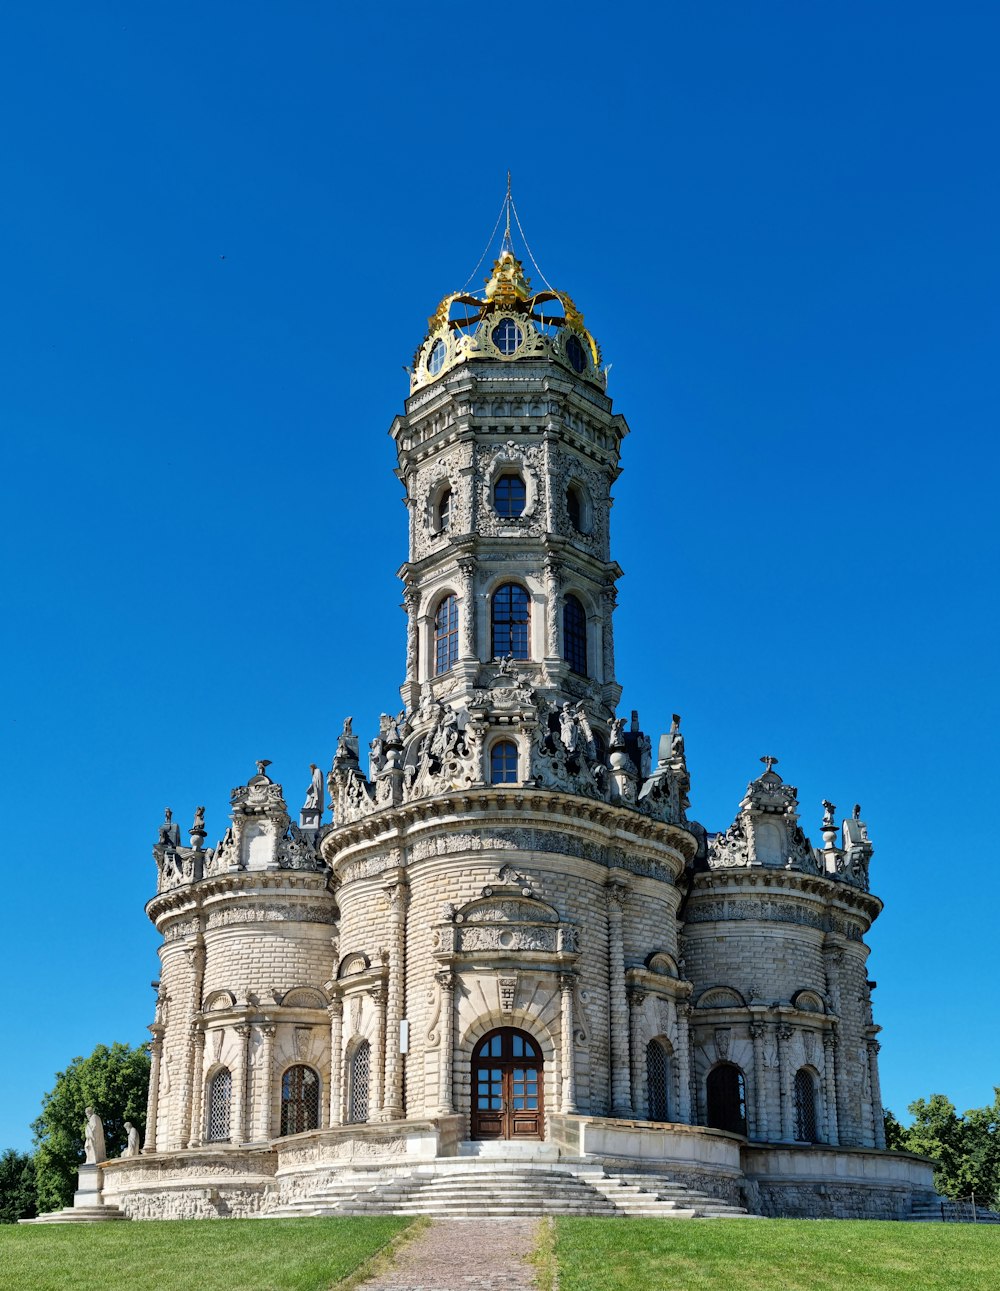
(225, 227)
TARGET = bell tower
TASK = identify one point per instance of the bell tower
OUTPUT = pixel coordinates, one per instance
(508, 449)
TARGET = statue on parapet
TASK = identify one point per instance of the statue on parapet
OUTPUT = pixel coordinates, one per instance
(132, 1146)
(314, 794)
(94, 1151)
(828, 813)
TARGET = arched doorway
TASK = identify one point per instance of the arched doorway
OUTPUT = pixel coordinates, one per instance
(507, 1086)
(727, 1098)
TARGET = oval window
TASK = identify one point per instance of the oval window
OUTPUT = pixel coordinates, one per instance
(507, 336)
(435, 360)
(576, 354)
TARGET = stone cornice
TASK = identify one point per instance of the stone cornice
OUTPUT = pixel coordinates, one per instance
(192, 897)
(490, 806)
(791, 883)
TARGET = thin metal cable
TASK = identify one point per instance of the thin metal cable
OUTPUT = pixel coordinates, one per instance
(527, 248)
(472, 275)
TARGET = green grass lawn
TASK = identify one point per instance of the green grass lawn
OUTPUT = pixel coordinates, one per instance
(190, 1255)
(776, 1255)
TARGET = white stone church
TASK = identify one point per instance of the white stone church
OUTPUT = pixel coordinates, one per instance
(502, 962)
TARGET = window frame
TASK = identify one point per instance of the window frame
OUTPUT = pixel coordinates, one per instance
(513, 630)
(446, 637)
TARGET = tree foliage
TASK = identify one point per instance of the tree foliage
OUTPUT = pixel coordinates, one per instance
(966, 1148)
(18, 1191)
(114, 1082)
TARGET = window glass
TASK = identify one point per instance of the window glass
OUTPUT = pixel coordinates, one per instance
(509, 496)
(446, 635)
(657, 1071)
(361, 1062)
(444, 511)
(220, 1098)
(507, 336)
(511, 617)
(575, 635)
(503, 770)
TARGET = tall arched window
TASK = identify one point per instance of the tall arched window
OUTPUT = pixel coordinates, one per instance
(575, 635)
(446, 635)
(299, 1100)
(220, 1101)
(727, 1098)
(503, 762)
(510, 496)
(443, 511)
(657, 1082)
(806, 1129)
(360, 1078)
(574, 507)
(511, 620)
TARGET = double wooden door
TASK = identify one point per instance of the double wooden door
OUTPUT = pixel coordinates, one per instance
(507, 1086)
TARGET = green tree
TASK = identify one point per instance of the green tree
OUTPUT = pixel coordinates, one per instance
(114, 1082)
(18, 1191)
(966, 1149)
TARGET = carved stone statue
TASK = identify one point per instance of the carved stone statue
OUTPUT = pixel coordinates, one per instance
(617, 736)
(262, 765)
(569, 728)
(132, 1147)
(857, 811)
(828, 811)
(314, 794)
(199, 819)
(93, 1139)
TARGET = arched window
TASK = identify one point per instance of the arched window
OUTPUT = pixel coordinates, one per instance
(509, 496)
(511, 618)
(360, 1078)
(727, 1098)
(657, 1082)
(442, 515)
(299, 1100)
(575, 635)
(503, 763)
(220, 1101)
(446, 635)
(574, 507)
(806, 1130)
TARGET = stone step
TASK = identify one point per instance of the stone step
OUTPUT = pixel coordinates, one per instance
(79, 1215)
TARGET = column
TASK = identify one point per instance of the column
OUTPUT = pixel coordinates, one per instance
(684, 1063)
(878, 1123)
(198, 1090)
(552, 584)
(156, 1057)
(830, 1086)
(398, 895)
(757, 1034)
(410, 600)
(467, 610)
(567, 985)
(621, 1082)
(636, 1000)
(240, 1085)
(378, 994)
(785, 1077)
(336, 1106)
(267, 1082)
(446, 1056)
(610, 599)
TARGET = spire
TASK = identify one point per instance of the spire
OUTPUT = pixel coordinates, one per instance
(508, 243)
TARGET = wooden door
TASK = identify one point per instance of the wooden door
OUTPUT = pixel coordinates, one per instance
(507, 1086)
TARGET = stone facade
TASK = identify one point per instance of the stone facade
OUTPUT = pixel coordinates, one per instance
(507, 857)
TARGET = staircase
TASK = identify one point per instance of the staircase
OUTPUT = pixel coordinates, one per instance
(940, 1210)
(478, 1192)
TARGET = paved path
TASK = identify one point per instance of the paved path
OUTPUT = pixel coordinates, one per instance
(464, 1255)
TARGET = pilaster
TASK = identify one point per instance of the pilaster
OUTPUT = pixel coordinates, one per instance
(617, 894)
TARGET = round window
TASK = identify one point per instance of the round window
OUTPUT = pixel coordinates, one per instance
(507, 336)
(576, 354)
(435, 360)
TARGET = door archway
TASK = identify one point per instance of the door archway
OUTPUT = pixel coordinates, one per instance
(507, 1086)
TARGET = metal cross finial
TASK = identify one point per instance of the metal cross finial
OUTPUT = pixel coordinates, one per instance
(507, 243)
(769, 762)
